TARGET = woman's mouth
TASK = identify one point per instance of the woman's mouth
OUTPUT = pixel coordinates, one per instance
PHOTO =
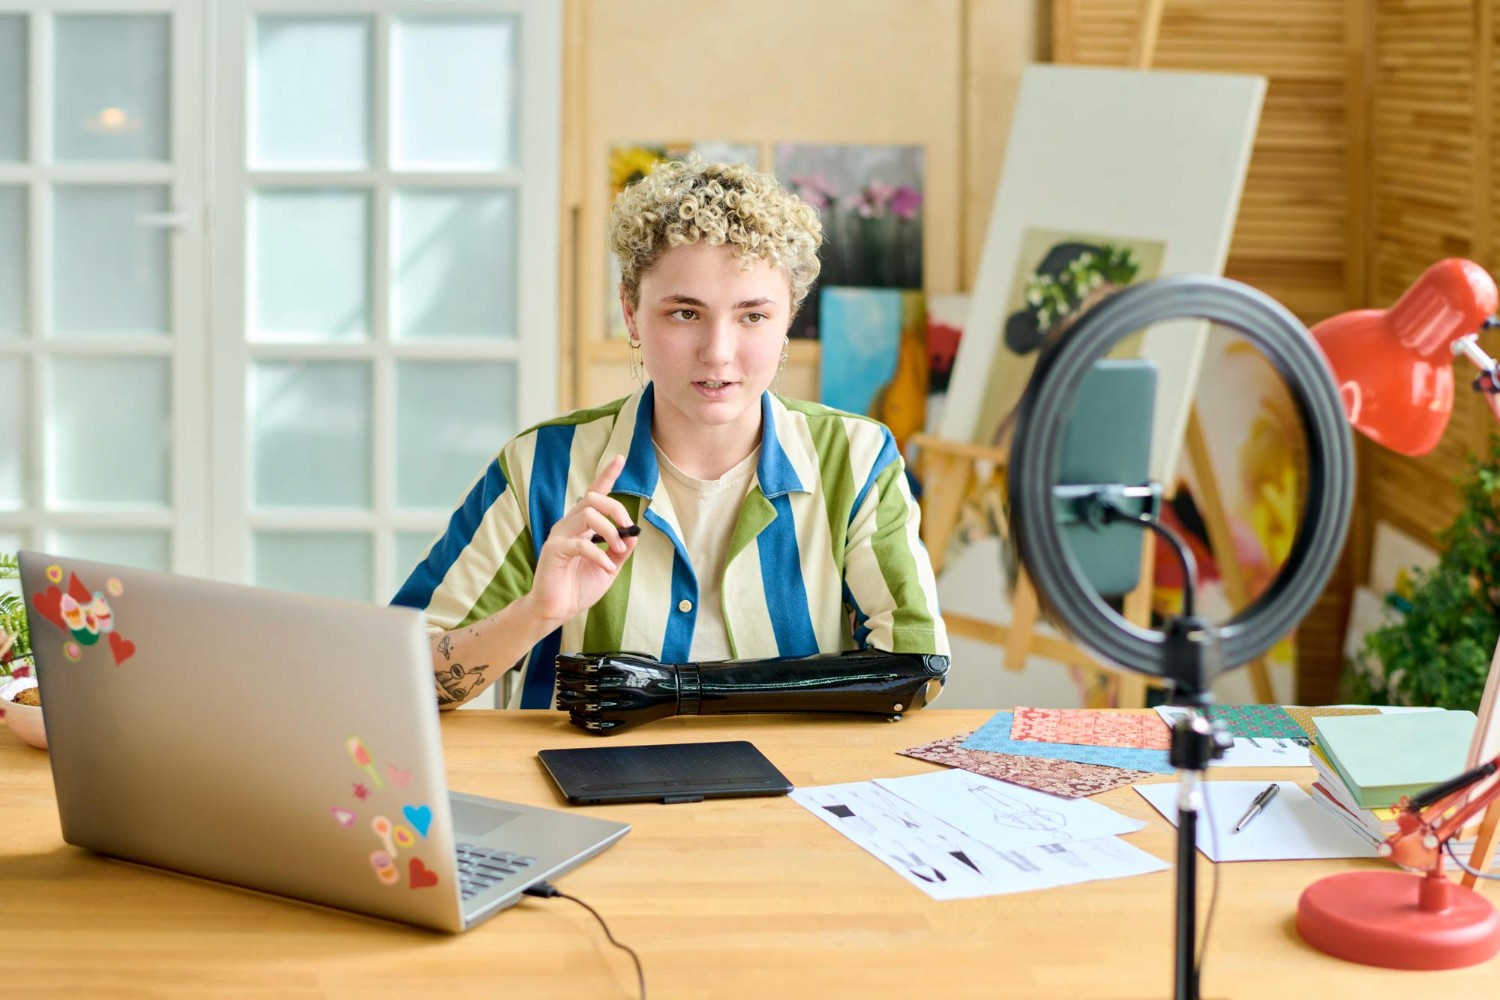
(713, 388)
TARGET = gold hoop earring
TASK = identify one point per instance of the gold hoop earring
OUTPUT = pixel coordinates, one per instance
(786, 350)
(637, 370)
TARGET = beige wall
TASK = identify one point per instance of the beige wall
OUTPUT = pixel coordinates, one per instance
(936, 73)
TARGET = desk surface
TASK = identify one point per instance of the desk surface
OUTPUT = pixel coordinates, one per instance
(734, 898)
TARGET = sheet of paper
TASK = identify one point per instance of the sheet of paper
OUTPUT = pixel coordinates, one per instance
(994, 735)
(1248, 751)
(1091, 727)
(946, 863)
(1067, 778)
(1291, 827)
(1006, 816)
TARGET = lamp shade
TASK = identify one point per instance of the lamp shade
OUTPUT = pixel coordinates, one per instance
(1394, 367)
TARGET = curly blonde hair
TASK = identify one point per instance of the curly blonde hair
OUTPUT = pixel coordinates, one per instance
(683, 201)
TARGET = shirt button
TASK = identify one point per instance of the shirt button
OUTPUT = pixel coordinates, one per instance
(684, 605)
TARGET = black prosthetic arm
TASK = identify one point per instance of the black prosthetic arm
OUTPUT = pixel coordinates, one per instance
(609, 692)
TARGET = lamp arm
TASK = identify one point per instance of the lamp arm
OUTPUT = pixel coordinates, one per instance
(1431, 818)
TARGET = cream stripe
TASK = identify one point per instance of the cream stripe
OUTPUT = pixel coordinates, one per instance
(820, 574)
(924, 566)
(745, 607)
(866, 581)
(650, 592)
(865, 442)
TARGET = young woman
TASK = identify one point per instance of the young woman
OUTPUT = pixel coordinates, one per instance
(769, 529)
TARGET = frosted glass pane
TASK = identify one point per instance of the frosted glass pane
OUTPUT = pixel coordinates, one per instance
(108, 273)
(310, 92)
(111, 81)
(12, 88)
(14, 411)
(142, 549)
(311, 425)
(454, 90)
(326, 563)
(311, 272)
(108, 433)
(455, 268)
(411, 546)
(450, 420)
(12, 261)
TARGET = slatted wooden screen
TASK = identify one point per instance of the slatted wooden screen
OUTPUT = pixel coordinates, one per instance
(1300, 234)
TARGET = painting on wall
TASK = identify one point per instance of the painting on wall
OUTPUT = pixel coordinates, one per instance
(628, 163)
(869, 199)
(874, 357)
(1149, 162)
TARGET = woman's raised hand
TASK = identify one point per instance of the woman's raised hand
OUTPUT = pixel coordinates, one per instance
(572, 570)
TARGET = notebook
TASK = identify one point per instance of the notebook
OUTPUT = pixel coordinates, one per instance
(663, 772)
(1383, 757)
(278, 742)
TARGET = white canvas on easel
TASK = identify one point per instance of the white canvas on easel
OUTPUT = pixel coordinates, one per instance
(1154, 156)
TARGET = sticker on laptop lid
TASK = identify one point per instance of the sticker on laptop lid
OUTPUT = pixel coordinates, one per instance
(363, 759)
(86, 616)
(420, 875)
(346, 817)
(420, 817)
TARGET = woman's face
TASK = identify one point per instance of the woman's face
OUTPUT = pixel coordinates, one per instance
(711, 334)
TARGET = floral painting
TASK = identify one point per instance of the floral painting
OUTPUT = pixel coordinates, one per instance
(870, 202)
(628, 163)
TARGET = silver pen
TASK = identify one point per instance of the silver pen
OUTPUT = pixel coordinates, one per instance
(1257, 805)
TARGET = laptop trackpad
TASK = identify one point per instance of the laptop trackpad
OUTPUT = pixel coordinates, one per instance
(472, 819)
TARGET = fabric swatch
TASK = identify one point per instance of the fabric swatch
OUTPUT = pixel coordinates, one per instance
(1090, 727)
(1271, 722)
(994, 736)
(1305, 716)
(1068, 779)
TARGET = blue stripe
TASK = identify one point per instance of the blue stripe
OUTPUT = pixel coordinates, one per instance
(677, 645)
(640, 475)
(541, 673)
(781, 576)
(417, 591)
(888, 454)
(861, 620)
(546, 503)
(774, 470)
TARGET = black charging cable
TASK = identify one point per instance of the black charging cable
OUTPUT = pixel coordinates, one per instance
(546, 890)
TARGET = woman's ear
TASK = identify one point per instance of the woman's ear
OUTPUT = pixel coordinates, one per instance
(628, 311)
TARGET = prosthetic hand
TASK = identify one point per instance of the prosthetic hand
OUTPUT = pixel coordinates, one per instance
(609, 692)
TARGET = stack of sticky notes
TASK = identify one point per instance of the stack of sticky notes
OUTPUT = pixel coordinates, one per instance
(1375, 760)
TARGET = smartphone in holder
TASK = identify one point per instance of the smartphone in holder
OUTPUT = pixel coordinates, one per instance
(665, 772)
(1108, 443)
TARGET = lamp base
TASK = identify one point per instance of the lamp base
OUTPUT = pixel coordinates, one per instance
(1373, 918)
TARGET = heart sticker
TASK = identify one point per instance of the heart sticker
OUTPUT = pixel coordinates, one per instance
(78, 591)
(123, 648)
(398, 777)
(418, 816)
(421, 877)
(49, 604)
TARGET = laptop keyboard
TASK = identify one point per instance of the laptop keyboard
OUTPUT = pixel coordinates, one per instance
(479, 868)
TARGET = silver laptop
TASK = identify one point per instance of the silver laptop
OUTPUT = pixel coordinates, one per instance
(283, 743)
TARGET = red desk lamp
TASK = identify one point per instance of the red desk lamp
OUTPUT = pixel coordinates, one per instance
(1394, 369)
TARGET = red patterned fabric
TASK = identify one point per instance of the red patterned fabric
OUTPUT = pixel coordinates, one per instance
(1056, 777)
(1087, 727)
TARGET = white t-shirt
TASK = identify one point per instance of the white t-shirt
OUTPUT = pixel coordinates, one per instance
(706, 512)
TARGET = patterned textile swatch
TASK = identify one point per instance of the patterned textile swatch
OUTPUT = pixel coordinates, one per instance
(1057, 777)
(1305, 716)
(1271, 722)
(994, 735)
(1089, 727)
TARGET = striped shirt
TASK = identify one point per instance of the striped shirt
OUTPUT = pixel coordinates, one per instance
(825, 555)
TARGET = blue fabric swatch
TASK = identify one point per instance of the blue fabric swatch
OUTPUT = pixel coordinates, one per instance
(994, 736)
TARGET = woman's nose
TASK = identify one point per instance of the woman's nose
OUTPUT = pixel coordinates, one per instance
(718, 342)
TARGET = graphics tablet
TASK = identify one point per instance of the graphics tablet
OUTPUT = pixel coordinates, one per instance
(665, 772)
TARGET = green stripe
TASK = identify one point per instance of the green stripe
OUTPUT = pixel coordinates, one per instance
(510, 581)
(912, 625)
(610, 409)
(604, 630)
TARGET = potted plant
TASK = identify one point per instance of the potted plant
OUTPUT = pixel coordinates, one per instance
(1439, 652)
(15, 637)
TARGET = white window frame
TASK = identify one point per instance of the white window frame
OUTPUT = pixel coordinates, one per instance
(536, 182)
(185, 516)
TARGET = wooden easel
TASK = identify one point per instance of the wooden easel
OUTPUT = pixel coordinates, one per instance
(949, 468)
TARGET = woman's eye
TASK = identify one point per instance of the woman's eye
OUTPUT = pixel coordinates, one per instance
(684, 314)
(755, 317)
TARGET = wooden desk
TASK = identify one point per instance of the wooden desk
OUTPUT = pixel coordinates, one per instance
(736, 898)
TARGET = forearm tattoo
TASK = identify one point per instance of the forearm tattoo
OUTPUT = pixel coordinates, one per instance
(457, 683)
(443, 645)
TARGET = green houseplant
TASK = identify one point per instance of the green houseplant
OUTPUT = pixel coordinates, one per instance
(1439, 652)
(13, 620)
